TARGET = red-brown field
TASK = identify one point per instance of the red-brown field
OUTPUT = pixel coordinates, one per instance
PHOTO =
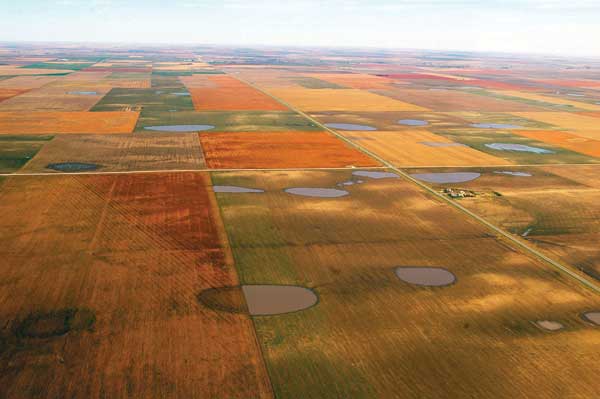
(5, 94)
(67, 122)
(231, 94)
(119, 261)
(279, 150)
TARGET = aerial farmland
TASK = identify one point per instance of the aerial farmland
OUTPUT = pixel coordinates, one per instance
(223, 222)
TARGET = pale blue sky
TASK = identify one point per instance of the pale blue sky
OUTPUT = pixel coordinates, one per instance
(525, 26)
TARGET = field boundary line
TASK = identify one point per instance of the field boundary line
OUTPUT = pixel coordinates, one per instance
(519, 243)
(121, 172)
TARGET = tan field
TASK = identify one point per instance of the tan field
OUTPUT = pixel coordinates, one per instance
(340, 100)
(384, 335)
(67, 122)
(120, 152)
(549, 99)
(421, 148)
(581, 125)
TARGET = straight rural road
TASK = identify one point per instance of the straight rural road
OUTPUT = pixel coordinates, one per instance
(502, 233)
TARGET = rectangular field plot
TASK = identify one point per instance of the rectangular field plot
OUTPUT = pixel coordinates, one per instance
(67, 122)
(388, 121)
(515, 148)
(148, 100)
(456, 100)
(354, 80)
(56, 97)
(116, 263)
(555, 208)
(240, 121)
(374, 335)
(226, 93)
(566, 140)
(340, 100)
(580, 124)
(106, 152)
(279, 150)
(16, 151)
(421, 148)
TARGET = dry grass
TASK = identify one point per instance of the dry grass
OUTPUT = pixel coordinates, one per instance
(374, 336)
(67, 122)
(550, 99)
(341, 100)
(133, 251)
(565, 140)
(407, 148)
(148, 151)
(580, 124)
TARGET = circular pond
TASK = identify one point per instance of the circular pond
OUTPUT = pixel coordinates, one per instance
(426, 276)
(446, 177)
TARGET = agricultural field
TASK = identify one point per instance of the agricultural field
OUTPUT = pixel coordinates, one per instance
(241, 223)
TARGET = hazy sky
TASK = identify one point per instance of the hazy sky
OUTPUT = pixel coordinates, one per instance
(536, 26)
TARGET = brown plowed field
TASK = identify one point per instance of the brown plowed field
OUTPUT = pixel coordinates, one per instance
(230, 94)
(279, 150)
(131, 252)
(122, 152)
(67, 122)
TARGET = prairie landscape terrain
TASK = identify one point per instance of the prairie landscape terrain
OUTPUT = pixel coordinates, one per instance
(215, 222)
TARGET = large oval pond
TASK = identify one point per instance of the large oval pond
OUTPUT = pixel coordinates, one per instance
(317, 192)
(446, 177)
(495, 126)
(259, 299)
(179, 128)
(518, 148)
(349, 126)
(426, 276)
(413, 122)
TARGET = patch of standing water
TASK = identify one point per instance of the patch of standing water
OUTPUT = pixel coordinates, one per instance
(179, 128)
(349, 126)
(181, 94)
(375, 175)
(549, 325)
(72, 166)
(495, 126)
(592, 317)
(267, 300)
(426, 276)
(413, 122)
(317, 192)
(235, 189)
(518, 147)
(84, 93)
(438, 144)
(508, 172)
(446, 177)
